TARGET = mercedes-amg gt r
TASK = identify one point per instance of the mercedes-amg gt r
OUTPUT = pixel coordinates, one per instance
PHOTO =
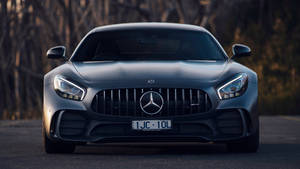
(150, 82)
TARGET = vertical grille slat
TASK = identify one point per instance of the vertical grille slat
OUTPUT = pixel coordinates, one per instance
(104, 102)
(168, 101)
(111, 101)
(191, 101)
(205, 102)
(125, 102)
(119, 101)
(183, 101)
(198, 100)
(175, 100)
(141, 93)
(134, 101)
(96, 103)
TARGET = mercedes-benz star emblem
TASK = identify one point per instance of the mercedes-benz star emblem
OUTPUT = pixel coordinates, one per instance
(151, 102)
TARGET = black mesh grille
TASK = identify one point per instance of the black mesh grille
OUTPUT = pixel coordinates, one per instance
(72, 124)
(126, 102)
(230, 123)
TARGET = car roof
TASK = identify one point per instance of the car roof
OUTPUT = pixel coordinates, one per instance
(148, 25)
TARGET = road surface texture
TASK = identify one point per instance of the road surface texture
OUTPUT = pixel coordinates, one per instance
(21, 147)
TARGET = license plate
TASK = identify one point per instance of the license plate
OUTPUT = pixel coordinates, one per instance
(151, 125)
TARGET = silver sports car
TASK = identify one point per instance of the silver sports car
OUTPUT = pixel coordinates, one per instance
(150, 82)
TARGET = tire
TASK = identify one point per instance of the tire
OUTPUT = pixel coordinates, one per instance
(247, 145)
(51, 147)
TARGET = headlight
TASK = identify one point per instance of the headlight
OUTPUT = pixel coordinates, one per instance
(234, 88)
(67, 89)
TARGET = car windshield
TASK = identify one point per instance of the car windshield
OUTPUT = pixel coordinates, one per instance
(148, 45)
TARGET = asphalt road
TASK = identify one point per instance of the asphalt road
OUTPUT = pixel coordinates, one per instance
(21, 147)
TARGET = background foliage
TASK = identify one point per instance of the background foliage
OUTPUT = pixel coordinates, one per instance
(29, 27)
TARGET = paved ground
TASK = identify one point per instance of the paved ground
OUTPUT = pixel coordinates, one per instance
(21, 147)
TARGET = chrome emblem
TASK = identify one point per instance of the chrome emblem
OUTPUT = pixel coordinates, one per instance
(151, 81)
(151, 102)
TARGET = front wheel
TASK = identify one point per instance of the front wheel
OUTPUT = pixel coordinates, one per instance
(247, 145)
(56, 147)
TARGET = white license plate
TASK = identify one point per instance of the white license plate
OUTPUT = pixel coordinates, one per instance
(151, 124)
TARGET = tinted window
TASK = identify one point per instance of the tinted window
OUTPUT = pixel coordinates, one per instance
(149, 45)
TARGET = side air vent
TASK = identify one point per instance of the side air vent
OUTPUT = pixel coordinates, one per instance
(230, 123)
(71, 124)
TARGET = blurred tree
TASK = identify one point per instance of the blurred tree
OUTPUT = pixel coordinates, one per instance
(29, 27)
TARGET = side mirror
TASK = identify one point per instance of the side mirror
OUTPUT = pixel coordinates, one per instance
(240, 50)
(57, 52)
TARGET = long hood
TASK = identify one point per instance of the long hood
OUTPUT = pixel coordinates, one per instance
(208, 71)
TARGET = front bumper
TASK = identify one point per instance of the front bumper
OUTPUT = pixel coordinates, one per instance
(68, 120)
(82, 126)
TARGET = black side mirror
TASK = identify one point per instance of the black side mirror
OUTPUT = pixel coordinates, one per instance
(240, 50)
(57, 52)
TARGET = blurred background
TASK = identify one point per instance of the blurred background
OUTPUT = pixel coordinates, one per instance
(29, 27)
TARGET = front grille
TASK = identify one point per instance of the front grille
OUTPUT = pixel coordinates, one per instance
(126, 102)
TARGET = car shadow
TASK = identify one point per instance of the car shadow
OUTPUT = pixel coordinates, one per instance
(269, 150)
(152, 149)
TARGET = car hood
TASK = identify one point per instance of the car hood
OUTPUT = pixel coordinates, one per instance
(208, 71)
